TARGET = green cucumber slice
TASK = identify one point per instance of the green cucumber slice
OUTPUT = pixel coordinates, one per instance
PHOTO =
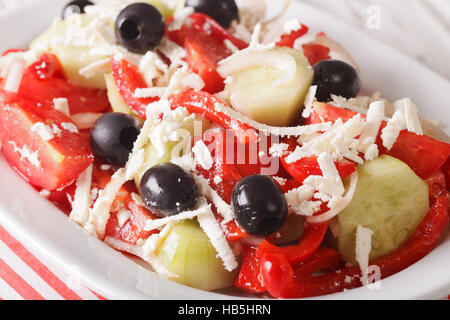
(187, 251)
(390, 199)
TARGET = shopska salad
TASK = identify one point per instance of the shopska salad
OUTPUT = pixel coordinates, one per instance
(224, 149)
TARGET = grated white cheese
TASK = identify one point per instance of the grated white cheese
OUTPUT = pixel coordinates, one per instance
(363, 248)
(43, 131)
(95, 68)
(123, 216)
(390, 133)
(25, 153)
(100, 212)
(202, 208)
(375, 116)
(82, 199)
(269, 130)
(298, 200)
(412, 118)
(230, 46)
(212, 229)
(179, 18)
(202, 155)
(62, 104)
(309, 101)
(278, 149)
(291, 26)
(339, 204)
(14, 75)
(339, 141)
(69, 126)
(150, 92)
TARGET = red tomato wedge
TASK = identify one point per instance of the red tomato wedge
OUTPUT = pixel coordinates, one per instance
(204, 41)
(44, 80)
(128, 79)
(423, 154)
(47, 163)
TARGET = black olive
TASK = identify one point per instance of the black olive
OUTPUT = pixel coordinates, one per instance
(139, 27)
(168, 189)
(76, 6)
(113, 136)
(223, 11)
(259, 205)
(335, 77)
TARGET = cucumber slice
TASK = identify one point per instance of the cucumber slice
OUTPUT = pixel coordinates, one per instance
(390, 199)
(72, 58)
(151, 156)
(188, 252)
(114, 97)
(260, 100)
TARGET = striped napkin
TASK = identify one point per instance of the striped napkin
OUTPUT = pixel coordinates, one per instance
(24, 274)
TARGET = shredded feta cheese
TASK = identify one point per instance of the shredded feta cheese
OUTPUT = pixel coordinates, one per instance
(202, 155)
(95, 68)
(82, 199)
(212, 229)
(363, 248)
(202, 208)
(62, 104)
(43, 131)
(25, 153)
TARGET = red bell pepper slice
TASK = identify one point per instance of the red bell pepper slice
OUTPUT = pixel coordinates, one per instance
(204, 41)
(308, 243)
(423, 154)
(217, 142)
(315, 52)
(303, 168)
(128, 79)
(324, 259)
(281, 281)
(249, 278)
(436, 185)
(44, 80)
(288, 40)
(201, 102)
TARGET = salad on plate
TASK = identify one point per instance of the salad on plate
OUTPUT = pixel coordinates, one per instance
(223, 148)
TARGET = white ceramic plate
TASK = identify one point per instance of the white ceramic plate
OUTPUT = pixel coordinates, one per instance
(35, 221)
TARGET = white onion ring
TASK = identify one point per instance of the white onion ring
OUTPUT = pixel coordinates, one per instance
(248, 59)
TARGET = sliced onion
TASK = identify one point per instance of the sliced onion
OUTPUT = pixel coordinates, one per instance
(85, 120)
(340, 206)
(247, 59)
(124, 246)
(336, 50)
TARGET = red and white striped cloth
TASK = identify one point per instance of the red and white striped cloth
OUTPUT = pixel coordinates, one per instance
(24, 274)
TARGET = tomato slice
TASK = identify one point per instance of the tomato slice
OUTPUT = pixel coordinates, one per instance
(204, 41)
(44, 81)
(49, 160)
(423, 154)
